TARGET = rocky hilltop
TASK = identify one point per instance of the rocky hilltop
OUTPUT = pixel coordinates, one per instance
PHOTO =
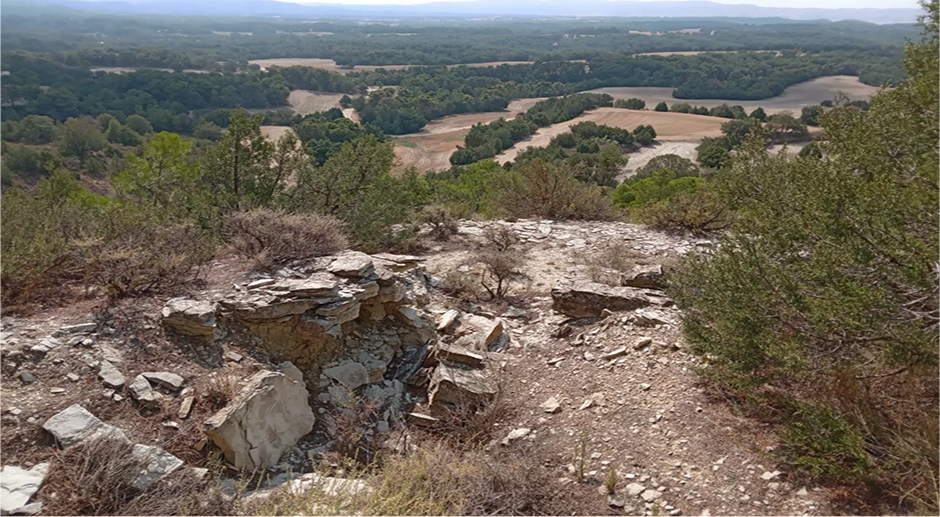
(275, 371)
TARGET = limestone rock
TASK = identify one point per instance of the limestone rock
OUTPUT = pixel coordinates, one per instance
(645, 277)
(352, 264)
(76, 424)
(615, 353)
(635, 489)
(421, 419)
(110, 376)
(651, 495)
(458, 354)
(413, 318)
(142, 392)
(516, 434)
(589, 299)
(265, 420)
(350, 375)
(452, 385)
(18, 485)
(340, 490)
(170, 381)
(186, 407)
(81, 328)
(551, 405)
(447, 320)
(650, 318)
(191, 317)
(156, 463)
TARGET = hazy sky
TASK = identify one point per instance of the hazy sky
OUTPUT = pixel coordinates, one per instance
(765, 3)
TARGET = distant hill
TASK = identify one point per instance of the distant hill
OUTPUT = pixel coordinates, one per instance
(489, 8)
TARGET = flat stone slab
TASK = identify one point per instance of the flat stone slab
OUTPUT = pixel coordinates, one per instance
(193, 317)
(157, 464)
(168, 380)
(590, 299)
(76, 424)
(18, 485)
(110, 375)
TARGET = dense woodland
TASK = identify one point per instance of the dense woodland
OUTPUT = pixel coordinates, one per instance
(47, 62)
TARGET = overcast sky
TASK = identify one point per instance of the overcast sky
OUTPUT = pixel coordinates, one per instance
(765, 3)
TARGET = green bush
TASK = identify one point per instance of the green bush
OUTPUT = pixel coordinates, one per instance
(543, 191)
(824, 292)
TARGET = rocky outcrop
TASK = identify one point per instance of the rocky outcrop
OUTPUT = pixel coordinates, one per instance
(190, 317)
(589, 299)
(266, 419)
(318, 312)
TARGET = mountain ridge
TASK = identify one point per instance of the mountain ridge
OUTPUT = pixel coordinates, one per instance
(528, 8)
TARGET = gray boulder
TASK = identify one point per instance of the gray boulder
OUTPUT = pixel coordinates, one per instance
(452, 385)
(265, 420)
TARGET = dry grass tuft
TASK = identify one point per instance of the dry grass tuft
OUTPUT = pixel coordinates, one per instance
(276, 237)
(95, 479)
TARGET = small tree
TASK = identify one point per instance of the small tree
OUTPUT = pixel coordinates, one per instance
(139, 124)
(662, 106)
(80, 138)
(36, 130)
(759, 114)
(501, 261)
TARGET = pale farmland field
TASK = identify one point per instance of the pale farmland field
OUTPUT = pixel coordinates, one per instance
(794, 98)
(329, 64)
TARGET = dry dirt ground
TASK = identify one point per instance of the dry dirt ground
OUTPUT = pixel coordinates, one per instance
(430, 148)
(329, 64)
(644, 413)
(793, 98)
(274, 133)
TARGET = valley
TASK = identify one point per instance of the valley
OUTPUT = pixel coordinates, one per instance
(610, 257)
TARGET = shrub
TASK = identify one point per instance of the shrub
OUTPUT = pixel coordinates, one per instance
(501, 261)
(136, 254)
(695, 210)
(95, 478)
(442, 222)
(824, 292)
(275, 237)
(631, 104)
(540, 190)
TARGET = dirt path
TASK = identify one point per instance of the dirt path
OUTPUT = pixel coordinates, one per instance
(644, 413)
